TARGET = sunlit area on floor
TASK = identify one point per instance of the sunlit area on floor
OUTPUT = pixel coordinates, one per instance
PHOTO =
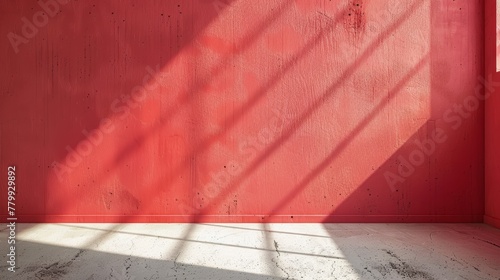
(257, 251)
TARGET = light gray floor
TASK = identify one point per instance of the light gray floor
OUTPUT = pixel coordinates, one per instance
(254, 251)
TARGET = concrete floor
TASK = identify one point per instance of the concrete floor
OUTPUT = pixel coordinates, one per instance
(254, 251)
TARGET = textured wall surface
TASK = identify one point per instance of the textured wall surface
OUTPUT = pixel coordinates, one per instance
(243, 111)
(492, 116)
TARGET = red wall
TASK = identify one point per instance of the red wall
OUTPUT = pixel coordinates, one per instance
(492, 118)
(244, 111)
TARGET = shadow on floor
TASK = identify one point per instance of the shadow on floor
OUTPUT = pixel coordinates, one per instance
(255, 251)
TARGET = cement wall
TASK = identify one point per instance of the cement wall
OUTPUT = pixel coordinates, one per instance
(244, 111)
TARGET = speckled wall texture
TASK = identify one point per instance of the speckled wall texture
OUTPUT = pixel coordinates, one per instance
(243, 111)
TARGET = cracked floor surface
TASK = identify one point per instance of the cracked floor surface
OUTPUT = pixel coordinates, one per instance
(254, 251)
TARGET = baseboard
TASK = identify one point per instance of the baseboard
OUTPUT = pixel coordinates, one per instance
(252, 219)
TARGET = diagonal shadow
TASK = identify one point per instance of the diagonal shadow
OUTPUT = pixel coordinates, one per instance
(447, 185)
(232, 120)
(245, 44)
(307, 113)
(114, 230)
(249, 40)
(193, 92)
(62, 262)
(329, 93)
(260, 93)
(352, 134)
(169, 14)
(418, 198)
